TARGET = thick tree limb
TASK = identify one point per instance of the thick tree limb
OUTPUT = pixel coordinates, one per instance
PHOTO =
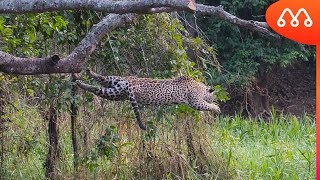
(110, 6)
(260, 27)
(72, 63)
(123, 7)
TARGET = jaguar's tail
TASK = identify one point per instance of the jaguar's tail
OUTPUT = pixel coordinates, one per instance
(135, 110)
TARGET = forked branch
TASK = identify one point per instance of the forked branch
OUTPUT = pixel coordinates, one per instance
(74, 62)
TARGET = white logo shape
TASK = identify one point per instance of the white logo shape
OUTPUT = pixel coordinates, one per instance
(294, 22)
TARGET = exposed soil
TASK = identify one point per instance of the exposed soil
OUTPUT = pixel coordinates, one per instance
(293, 89)
(289, 90)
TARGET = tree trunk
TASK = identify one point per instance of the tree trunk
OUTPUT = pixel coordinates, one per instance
(191, 27)
(189, 139)
(74, 114)
(2, 135)
(258, 96)
(53, 139)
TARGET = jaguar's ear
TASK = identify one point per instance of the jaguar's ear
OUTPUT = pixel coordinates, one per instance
(211, 90)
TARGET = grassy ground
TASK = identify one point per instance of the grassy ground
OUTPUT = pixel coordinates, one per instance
(283, 148)
(180, 146)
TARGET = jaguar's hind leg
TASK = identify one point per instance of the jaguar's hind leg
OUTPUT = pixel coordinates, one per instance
(120, 92)
(106, 93)
(105, 81)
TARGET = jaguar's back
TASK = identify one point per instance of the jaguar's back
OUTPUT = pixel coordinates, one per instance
(159, 92)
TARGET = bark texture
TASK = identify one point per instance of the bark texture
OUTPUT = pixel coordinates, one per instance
(118, 7)
(261, 27)
(53, 140)
(74, 114)
(2, 133)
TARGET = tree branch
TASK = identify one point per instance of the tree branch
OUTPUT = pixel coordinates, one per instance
(72, 63)
(117, 7)
(260, 27)
(123, 7)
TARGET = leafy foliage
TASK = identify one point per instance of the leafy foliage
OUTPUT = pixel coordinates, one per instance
(242, 53)
(155, 46)
(28, 35)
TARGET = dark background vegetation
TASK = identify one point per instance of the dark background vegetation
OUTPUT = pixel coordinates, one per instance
(257, 80)
(269, 72)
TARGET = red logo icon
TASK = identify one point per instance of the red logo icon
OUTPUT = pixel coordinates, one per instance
(296, 20)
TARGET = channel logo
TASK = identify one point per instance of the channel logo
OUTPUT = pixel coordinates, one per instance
(296, 20)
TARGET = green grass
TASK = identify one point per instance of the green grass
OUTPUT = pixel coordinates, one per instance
(283, 148)
(227, 148)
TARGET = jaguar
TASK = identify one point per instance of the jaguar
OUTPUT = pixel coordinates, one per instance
(148, 91)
